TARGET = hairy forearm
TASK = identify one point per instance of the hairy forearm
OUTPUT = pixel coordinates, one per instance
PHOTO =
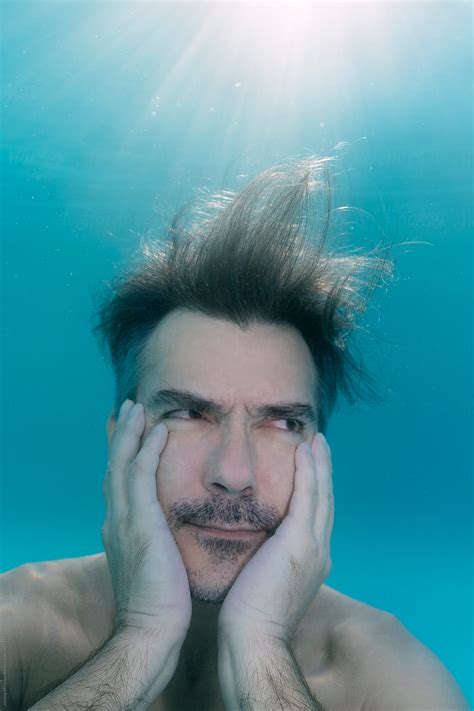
(126, 673)
(258, 673)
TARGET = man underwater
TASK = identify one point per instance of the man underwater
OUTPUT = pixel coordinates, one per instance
(230, 343)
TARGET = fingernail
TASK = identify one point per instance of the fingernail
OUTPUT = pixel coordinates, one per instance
(318, 441)
(135, 409)
(125, 405)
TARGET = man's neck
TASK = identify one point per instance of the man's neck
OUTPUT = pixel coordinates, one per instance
(196, 673)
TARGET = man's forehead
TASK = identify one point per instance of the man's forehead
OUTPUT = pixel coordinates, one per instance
(182, 327)
(200, 353)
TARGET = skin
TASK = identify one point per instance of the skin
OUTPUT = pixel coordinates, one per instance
(247, 598)
(235, 456)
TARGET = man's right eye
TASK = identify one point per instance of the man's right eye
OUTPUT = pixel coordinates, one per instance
(188, 414)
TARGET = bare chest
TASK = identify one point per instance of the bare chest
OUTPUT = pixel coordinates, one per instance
(333, 684)
(332, 689)
(67, 639)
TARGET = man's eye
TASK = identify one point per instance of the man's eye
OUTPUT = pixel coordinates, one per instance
(188, 414)
(291, 425)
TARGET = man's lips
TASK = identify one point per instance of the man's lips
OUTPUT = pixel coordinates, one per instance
(229, 531)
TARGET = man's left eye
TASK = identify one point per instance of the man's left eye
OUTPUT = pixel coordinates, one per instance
(290, 425)
(184, 414)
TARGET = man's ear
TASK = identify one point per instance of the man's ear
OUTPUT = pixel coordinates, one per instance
(110, 426)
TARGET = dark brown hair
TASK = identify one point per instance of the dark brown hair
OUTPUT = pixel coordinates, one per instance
(261, 255)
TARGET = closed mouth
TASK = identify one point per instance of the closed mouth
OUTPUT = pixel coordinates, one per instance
(228, 531)
(224, 527)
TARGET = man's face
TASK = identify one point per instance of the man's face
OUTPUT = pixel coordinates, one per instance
(236, 404)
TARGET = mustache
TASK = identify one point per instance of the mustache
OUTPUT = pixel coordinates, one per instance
(215, 510)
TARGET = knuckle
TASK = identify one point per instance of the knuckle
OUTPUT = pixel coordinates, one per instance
(105, 531)
(109, 473)
(315, 546)
(115, 525)
(328, 566)
(138, 467)
(106, 485)
(109, 469)
(134, 524)
(121, 524)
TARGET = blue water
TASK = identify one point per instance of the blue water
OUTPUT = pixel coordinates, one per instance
(92, 159)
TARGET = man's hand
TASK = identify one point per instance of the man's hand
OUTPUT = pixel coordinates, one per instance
(148, 574)
(277, 585)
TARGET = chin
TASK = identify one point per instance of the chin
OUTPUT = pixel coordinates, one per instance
(207, 593)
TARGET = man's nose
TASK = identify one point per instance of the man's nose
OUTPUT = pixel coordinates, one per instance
(231, 466)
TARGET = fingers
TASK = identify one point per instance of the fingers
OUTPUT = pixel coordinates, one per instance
(124, 447)
(303, 499)
(324, 514)
(130, 485)
(312, 501)
(142, 478)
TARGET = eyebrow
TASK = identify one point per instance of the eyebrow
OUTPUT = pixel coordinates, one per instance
(184, 399)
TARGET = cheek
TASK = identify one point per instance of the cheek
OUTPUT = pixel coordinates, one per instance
(179, 469)
(276, 468)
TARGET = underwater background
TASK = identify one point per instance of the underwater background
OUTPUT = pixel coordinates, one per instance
(113, 115)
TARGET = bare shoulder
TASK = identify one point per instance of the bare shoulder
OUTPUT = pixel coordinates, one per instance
(390, 670)
(66, 587)
(356, 656)
(48, 613)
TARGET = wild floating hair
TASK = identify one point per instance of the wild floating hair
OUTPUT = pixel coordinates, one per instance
(259, 255)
